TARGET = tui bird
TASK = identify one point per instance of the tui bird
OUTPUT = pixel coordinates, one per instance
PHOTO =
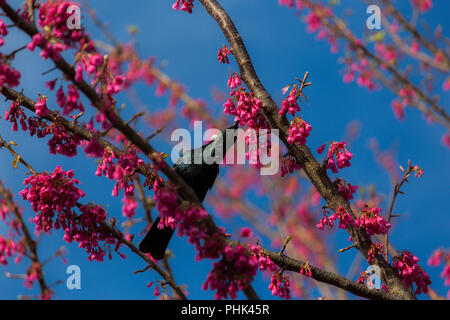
(200, 175)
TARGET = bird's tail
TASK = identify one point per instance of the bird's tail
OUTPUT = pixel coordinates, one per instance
(156, 240)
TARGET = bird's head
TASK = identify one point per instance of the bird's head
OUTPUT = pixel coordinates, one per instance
(226, 139)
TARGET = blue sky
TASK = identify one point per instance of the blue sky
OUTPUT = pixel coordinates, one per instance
(281, 50)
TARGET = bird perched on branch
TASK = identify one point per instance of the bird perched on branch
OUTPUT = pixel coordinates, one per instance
(199, 171)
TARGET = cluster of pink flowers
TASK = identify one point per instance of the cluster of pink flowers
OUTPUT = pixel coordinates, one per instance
(365, 75)
(399, 109)
(49, 49)
(49, 193)
(71, 102)
(372, 222)
(8, 75)
(129, 207)
(94, 149)
(41, 106)
(3, 31)
(62, 142)
(167, 205)
(90, 233)
(290, 105)
(288, 165)
(418, 172)
(279, 285)
(338, 150)
(386, 52)
(408, 94)
(247, 109)
(15, 113)
(8, 248)
(345, 189)
(299, 130)
(56, 192)
(246, 232)
(233, 273)
(53, 16)
(186, 5)
(376, 249)
(234, 81)
(222, 54)
(4, 210)
(410, 271)
(446, 84)
(345, 219)
(423, 5)
(123, 172)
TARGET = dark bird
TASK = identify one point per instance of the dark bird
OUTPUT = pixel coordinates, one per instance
(199, 173)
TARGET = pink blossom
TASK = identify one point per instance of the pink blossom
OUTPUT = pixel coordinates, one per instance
(345, 219)
(435, 259)
(372, 222)
(346, 189)
(410, 271)
(338, 156)
(399, 109)
(8, 75)
(415, 47)
(246, 232)
(247, 109)
(423, 5)
(298, 131)
(41, 106)
(156, 292)
(279, 285)
(446, 140)
(129, 207)
(234, 81)
(376, 249)
(186, 5)
(222, 55)
(288, 165)
(94, 149)
(290, 105)
(234, 272)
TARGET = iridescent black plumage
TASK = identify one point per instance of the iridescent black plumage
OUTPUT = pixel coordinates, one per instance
(200, 177)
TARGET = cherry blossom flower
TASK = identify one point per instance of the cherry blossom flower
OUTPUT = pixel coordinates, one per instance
(246, 232)
(372, 222)
(423, 5)
(222, 55)
(8, 75)
(186, 5)
(234, 272)
(376, 249)
(246, 110)
(299, 130)
(346, 189)
(410, 271)
(279, 285)
(338, 156)
(234, 81)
